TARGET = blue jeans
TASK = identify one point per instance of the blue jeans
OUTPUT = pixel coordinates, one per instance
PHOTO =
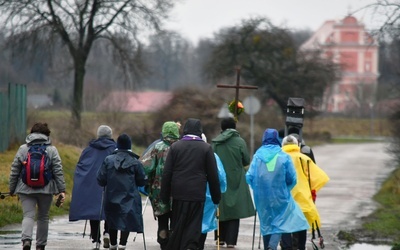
(271, 241)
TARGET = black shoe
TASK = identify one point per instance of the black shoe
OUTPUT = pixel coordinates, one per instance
(26, 245)
(40, 247)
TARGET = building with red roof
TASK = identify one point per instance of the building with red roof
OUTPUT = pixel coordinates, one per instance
(135, 102)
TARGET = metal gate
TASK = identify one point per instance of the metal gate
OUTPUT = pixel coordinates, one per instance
(12, 116)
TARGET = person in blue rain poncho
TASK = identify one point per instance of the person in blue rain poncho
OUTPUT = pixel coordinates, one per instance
(121, 174)
(271, 176)
(86, 192)
(209, 222)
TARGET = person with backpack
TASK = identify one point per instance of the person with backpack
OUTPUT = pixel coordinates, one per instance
(35, 189)
(121, 174)
(310, 178)
(86, 192)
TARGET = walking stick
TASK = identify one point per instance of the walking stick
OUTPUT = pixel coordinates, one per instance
(144, 209)
(254, 229)
(101, 212)
(218, 228)
(259, 240)
(84, 230)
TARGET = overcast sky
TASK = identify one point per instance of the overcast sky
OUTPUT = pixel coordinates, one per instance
(195, 19)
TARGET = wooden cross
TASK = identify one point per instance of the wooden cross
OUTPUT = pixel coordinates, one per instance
(237, 87)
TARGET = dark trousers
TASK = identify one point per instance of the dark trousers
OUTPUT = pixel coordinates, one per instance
(229, 231)
(202, 241)
(185, 225)
(295, 240)
(95, 230)
(163, 229)
(123, 238)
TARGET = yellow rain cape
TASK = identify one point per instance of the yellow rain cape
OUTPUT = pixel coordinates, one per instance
(309, 177)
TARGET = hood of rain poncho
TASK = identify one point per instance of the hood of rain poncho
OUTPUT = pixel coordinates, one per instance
(270, 146)
(210, 209)
(225, 135)
(170, 130)
(122, 162)
(271, 176)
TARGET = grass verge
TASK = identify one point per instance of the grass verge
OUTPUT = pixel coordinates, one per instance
(10, 207)
(383, 225)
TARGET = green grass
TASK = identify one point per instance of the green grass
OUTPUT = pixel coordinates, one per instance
(385, 221)
(11, 211)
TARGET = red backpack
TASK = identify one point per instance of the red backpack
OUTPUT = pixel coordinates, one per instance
(35, 170)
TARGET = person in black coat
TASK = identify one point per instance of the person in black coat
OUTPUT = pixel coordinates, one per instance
(189, 165)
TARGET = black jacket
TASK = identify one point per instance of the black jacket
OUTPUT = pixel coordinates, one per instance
(189, 165)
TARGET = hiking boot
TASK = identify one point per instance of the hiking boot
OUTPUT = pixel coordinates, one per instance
(121, 247)
(230, 246)
(221, 243)
(26, 244)
(113, 247)
(40, 247)
(106, 240)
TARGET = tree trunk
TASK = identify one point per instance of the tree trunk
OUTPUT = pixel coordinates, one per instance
(79, 76)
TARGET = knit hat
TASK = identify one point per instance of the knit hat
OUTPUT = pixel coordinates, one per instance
(228, 123)
(290, 139)
(124, 142)
(104, 131)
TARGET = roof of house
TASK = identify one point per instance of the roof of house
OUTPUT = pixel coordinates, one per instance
(129, 101)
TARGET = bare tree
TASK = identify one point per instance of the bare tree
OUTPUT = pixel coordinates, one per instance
(78, 24)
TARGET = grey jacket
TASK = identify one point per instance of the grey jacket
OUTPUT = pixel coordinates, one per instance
(56, 184)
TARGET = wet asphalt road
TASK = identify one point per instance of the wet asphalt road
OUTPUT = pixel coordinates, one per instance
(356, 172)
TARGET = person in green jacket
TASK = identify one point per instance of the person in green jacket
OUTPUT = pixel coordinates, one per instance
(154, 168)
(236, 202)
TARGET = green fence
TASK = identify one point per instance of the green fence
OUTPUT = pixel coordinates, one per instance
(12, 116)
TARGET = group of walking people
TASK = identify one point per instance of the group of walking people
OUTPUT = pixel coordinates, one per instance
(194, 187)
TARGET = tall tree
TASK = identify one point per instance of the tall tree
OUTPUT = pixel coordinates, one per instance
(165, 54)
(270, 59)
(78, 24)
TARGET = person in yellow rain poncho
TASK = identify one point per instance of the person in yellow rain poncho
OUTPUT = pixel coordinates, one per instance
(309, 177)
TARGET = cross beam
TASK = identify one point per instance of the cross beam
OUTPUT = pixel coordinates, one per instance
(237, 87)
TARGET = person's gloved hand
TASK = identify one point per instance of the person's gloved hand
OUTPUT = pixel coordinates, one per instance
(314, 195)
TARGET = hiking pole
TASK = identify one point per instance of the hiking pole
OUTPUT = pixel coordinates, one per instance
(100, 215)
(218, 246)
(254, 229)
(259, 240)
(314, 246)
(321, 239)
(144, 209)
(84, 230)
(4, 195)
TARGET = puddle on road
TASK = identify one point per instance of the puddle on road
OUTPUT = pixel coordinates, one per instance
(369, 246)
